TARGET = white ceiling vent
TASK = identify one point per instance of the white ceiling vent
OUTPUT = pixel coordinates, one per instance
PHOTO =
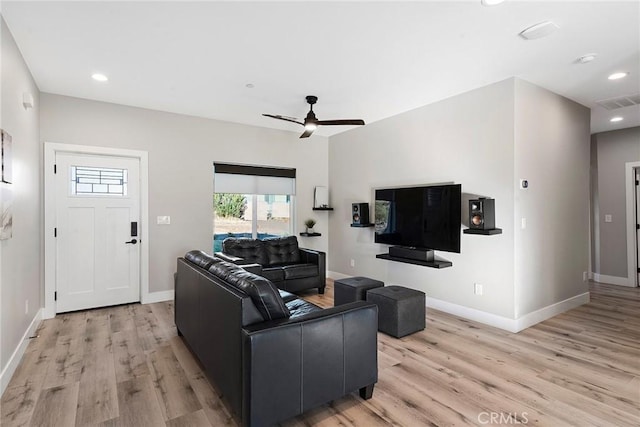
(620, 102)
(539, 30)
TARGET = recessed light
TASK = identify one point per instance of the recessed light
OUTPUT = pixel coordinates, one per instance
(586, 58)
(539, 30)
(99, 77)
(616, 76)
(491, 2)
(616, 119)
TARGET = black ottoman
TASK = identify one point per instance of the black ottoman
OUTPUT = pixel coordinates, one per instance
(401, 311)
(353, 289)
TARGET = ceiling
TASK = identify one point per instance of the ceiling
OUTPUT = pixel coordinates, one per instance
(363, 59)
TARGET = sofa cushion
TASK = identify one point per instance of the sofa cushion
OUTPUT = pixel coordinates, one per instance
(287, 296)
(201, 259)
(251, 250)
(299, 307)
(275, 274)
(263, 293)
(281, 250)
(300, 271)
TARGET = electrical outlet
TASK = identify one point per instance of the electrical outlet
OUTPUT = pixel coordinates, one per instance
(352, 263)
(26, 306)
(523, 223)
(477, 288)
(585, 276)
(608, 218)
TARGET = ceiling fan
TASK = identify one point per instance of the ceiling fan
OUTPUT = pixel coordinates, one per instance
(311, 123)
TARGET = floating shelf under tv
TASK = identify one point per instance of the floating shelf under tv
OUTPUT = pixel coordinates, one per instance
(438, 263)
(362, 225)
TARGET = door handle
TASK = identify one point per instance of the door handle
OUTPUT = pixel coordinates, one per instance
(131, 242)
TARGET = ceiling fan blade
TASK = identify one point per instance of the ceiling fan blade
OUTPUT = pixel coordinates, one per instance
(288, 119)
(307, 133)
(357, 122)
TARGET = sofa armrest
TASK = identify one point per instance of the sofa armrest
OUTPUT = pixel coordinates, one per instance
(318, 258)
(309, 360)
(231, 258)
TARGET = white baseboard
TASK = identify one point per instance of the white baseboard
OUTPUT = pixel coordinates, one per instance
(614, 280)
(472, 314)
(16, 357)
(549, 311)
(511, 325)
(159, 296)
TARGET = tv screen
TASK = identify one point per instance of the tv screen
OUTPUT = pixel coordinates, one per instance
(425, 217)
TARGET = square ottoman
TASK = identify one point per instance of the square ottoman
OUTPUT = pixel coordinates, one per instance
(401, 311)
(353, 289)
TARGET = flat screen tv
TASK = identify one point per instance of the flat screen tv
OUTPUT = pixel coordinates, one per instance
(426, 217)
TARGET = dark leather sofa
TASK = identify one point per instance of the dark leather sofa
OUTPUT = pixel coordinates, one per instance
(288, 266)
(272, 355)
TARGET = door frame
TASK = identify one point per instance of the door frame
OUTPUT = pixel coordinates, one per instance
(50, 151)
(632, 241)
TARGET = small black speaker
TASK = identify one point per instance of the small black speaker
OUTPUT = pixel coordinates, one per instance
(482, 214)
(360, 213)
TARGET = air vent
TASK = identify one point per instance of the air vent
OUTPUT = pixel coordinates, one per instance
(620, 102)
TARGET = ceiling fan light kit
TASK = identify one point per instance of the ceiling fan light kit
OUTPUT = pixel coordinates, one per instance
(311, 122)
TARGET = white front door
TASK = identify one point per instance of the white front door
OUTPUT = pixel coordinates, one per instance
(97, 231)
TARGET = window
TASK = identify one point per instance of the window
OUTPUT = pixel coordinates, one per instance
(86, 180)
(252, 201)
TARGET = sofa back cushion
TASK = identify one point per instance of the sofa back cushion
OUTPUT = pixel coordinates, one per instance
(252, 250)
(201, 259)
(263, 293)
(282, 250)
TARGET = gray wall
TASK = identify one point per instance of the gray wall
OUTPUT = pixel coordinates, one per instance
(486, 140)
(21, 255)
(182, 150)
(613, 150)
(552, 153)
(467, 139)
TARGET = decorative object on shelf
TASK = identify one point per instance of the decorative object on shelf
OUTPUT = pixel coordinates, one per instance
(360, 214)
(482, 213)
(321, 197)
(309, 224)
(482, 217)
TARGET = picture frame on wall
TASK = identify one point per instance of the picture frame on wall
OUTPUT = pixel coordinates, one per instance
(6, 211)
(7, 169)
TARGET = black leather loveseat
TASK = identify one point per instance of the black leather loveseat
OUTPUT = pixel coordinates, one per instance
(286, 265)
(272, 355)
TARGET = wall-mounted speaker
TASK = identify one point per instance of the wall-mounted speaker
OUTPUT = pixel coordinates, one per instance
(360, 213)
(482, 214)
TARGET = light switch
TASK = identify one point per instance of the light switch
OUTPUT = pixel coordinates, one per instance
(523, 223)
(164, 220)
(608, 218)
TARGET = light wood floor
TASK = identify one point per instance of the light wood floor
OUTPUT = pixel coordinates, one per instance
(125, 366)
